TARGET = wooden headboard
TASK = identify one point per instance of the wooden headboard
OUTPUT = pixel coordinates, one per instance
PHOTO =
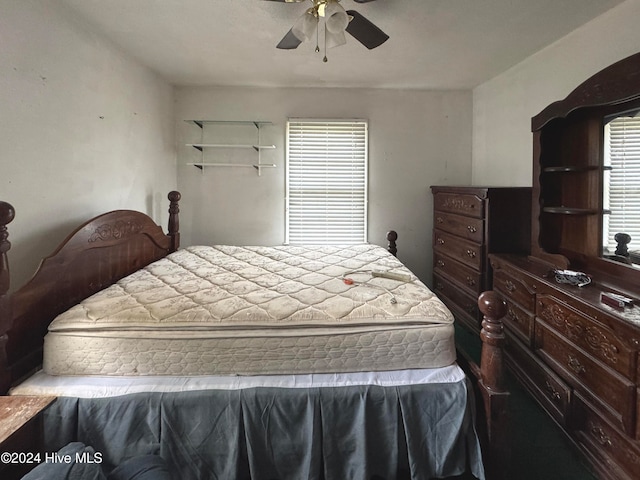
(94, 256)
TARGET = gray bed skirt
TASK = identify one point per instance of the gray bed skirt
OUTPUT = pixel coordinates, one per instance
(329, 433)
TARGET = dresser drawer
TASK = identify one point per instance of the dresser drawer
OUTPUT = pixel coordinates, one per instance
(587, 334)
(584, 372)
(546, 386)
(466, 227)
(459, 203)
(519, 321)
(601, 439)
(465, 303)
(467, 277)
(462, 250)
(513, 289)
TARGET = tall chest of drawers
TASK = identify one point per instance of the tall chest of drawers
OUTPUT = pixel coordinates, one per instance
(578, 357)
(468, 224)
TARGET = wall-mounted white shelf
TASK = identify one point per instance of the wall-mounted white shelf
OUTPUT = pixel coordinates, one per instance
(202, 145)
(257, 166)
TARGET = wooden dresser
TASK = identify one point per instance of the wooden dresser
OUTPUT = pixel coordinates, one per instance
(468, 224)
(578, 355)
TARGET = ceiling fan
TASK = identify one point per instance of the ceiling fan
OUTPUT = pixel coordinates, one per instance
(337, 21)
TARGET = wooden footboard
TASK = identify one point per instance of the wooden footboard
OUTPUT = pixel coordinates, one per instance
(94, 256)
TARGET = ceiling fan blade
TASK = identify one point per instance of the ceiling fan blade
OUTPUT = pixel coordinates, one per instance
(365, 32)
(358, 1)
(296, 1)
(289, 41)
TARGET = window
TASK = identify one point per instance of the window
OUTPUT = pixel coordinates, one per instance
(326, 181)
(622, 181)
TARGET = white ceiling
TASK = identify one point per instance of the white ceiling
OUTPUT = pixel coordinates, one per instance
(434, 44)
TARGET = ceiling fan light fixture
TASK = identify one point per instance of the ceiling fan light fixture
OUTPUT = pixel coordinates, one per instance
(334, 39)
(305, 26)
(337, 23)
(336, 18)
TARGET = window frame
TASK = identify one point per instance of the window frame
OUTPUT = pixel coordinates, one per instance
(362, 160)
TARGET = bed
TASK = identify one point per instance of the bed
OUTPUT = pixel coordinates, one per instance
(306, 362)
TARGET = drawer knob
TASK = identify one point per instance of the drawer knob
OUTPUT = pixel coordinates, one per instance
(440, 263)
(470, 281)
(439, 220)
(601, 437)
(510, 286)
(440, 241)
(471, 253)
(472, 229)
(555, 395)
(513, 315)
(575, 365)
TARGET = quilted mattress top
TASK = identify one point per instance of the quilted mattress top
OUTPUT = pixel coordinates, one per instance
(261, 289)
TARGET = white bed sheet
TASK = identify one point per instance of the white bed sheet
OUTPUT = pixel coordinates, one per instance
(100, 387)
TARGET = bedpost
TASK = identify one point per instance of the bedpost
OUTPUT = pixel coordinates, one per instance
(392, 236)
(7, 214)
(174, 220)
(493, 383)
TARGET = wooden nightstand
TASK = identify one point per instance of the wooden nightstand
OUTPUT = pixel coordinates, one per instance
(21, 433)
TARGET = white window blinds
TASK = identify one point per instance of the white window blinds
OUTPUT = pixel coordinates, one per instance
(326, 181)
(622, 154)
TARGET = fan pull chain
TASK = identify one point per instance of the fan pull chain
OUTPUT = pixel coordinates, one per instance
(325, 59)
(317, 40)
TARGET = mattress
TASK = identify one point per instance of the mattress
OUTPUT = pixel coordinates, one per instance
(229, 310)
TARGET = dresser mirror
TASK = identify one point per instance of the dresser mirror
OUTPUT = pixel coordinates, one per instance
(621, 188)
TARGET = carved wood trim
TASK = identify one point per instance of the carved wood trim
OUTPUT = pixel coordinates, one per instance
(117, 230)
(457, 203)
(618, 83)
(577, 329)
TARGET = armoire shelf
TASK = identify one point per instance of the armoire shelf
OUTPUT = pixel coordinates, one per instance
(258, 146)
(572, 169)
(574, 211)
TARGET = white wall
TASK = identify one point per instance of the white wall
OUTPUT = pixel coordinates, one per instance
(84, 129)
(416, 139)
(503, 106)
